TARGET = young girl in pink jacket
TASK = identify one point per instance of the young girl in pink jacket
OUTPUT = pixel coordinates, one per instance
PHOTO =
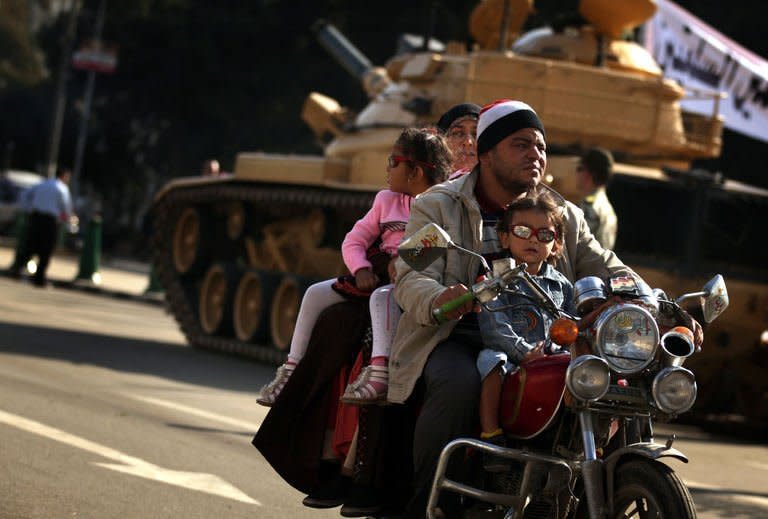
(419, 160)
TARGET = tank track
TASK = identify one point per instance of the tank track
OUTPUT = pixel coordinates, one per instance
(175, 297)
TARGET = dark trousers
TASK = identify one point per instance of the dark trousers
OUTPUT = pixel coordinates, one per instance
(451, 385)
(42, 234)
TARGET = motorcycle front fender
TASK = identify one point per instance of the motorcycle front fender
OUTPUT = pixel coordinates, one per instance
(649, 450)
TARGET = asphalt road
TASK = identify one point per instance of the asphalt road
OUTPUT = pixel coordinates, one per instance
(105, 413)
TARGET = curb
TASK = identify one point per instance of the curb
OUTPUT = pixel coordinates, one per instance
(155, 299)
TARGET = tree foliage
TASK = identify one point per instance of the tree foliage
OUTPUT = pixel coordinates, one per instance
(21, 62)
(199, 79)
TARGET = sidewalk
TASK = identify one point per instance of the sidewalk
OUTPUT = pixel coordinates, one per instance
(121, 278)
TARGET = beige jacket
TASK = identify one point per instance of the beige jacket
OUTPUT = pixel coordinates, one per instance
(599, 214)
(453, 206)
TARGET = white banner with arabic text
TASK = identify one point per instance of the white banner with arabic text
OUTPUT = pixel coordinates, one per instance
(701, 58)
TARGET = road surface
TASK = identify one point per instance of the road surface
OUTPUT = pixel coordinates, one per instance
(105, 413)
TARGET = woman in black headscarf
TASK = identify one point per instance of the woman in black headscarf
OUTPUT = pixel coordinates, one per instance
(459, 126)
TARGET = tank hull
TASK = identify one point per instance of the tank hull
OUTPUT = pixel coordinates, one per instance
(290, 237)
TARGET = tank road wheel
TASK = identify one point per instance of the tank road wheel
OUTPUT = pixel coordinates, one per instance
(188, 250)
(649, 489)
(216, 295)
(250, 314)
(235, 220)
(285, 309)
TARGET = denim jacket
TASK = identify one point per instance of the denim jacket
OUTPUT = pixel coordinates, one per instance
(515, 331)
(454, 207)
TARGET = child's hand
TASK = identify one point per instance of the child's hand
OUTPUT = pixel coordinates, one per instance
(366, 280)
(536, 352)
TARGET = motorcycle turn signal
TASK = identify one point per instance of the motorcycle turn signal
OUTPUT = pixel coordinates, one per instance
(563, 331)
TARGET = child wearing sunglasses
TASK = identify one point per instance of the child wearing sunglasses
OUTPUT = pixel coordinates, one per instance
(531, 230)
(419, 160)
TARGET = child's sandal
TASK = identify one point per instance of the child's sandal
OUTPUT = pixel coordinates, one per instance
(370, 387)
(271, 391)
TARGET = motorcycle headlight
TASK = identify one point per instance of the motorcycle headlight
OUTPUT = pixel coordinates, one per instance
(674, 390)
(626, 337)
(588, 377)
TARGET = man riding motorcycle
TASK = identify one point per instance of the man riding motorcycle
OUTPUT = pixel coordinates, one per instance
(441, 357)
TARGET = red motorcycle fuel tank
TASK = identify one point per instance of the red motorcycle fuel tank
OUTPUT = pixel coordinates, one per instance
(531, 396)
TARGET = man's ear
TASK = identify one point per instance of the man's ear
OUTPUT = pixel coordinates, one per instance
(482, 158)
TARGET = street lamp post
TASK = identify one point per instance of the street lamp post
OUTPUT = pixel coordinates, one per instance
(87, 102)
(60, 97)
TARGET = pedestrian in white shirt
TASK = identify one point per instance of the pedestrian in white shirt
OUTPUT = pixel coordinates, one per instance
(48, 204)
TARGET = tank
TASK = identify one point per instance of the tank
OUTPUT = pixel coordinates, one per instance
(235, 254)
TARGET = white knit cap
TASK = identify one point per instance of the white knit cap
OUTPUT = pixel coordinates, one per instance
(502, 118)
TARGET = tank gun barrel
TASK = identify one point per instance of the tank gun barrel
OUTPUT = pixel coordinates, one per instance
(342, 49)
(374, 79)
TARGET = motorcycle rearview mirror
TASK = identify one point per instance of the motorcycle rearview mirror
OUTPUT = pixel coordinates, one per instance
(714, 298)
(429, 243)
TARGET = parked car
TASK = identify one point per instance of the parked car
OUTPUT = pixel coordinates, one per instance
(12, 184)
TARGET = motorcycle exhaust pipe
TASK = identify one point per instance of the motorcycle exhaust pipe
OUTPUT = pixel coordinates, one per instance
(676, 347)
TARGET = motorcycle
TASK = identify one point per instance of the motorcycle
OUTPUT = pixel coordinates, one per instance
(579, 421)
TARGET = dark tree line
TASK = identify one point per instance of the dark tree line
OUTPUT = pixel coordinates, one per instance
(199, 79)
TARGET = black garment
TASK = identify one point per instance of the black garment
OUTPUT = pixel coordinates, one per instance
(451, 385)
(383, 463)
(292, 434)
(42, 235)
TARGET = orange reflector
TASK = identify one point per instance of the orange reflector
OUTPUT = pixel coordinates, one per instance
(684, 331)
(563, 331)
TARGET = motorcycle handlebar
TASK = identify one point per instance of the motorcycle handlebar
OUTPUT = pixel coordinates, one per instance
(451, 305)
(490, 287)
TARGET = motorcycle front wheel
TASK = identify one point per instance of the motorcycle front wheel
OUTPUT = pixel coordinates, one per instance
(647, 489)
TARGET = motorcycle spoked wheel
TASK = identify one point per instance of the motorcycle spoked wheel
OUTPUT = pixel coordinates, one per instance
(645, 489)
(649, 489)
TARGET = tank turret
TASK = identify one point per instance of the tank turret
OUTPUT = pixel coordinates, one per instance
(590, 88)
(235, 254)
(373, 79)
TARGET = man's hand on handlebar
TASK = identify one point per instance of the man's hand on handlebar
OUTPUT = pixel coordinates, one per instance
(698, 333)
(693, 325)
(451, 293)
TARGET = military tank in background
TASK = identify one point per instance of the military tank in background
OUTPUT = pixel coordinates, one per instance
(235, 254)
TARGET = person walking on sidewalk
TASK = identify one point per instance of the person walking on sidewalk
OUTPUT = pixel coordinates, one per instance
(48, 203)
